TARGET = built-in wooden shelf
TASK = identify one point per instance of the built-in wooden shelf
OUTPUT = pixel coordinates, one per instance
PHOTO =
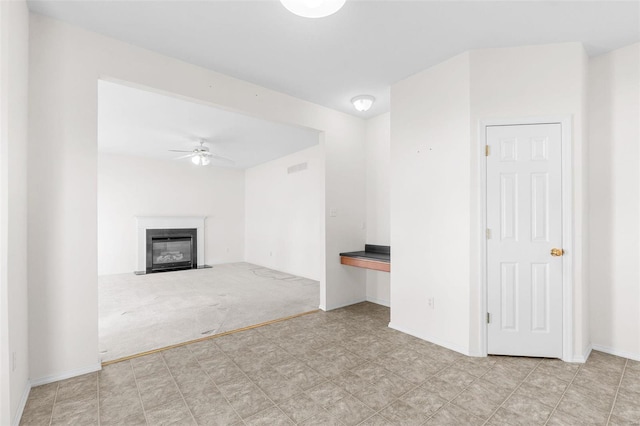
(373, 257)
(364, 263)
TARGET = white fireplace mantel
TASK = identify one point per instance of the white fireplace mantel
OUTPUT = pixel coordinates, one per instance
(168, 222)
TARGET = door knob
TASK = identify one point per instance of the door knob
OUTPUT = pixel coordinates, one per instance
(557, 252)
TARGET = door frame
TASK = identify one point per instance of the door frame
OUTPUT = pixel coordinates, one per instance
(565, 122)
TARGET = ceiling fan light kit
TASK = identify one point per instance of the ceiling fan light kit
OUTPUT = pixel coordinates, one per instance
(313, 8)
(200, 160)
(363, 102)
(201, 156)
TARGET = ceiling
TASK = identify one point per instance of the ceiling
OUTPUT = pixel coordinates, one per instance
(362, 49)
(142, 123)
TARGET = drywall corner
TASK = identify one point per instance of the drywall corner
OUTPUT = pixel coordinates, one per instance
(614, 188)
(14, 306)
(378, 228)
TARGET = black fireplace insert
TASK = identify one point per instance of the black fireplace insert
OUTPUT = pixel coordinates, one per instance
(171, 249)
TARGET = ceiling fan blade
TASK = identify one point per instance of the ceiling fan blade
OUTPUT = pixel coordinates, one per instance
(179, 150)
(184, 156)
(225, 159)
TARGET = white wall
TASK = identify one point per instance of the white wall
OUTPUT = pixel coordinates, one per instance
(430, 202)
(66, 63)
(435, 158)
(614, 182)
(14, 374)
(284, 214)
(378, 156)
(133, 186)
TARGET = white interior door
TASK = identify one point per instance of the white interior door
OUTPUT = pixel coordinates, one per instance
(524, 221)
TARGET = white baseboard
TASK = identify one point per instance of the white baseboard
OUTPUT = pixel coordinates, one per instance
(323, 308)
(617, 352)
(379, 301)
(476, 354)
(353, 302)
(22, 404)
(581, 358)
(439, 342)
(66, 375)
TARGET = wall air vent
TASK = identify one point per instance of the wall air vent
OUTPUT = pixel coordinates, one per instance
(297, 168)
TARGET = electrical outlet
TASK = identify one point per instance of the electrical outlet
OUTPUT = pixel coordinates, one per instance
(431, 302)
(333, 212)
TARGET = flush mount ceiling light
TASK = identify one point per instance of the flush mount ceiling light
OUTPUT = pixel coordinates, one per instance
(363, 102)
(313, 8)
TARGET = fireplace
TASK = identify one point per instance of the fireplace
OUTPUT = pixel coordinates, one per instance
(169, 226)
(171, 249)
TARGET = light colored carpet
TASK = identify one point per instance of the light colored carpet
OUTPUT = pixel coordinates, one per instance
(138, 313)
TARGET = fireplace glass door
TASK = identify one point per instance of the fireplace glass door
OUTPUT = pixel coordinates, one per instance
(171, 252)
(171, 249)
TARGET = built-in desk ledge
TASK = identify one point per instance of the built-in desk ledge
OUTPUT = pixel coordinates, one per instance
(373, 257)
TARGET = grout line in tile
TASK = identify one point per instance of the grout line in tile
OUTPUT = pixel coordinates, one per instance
(326, 380)
(512, 392)
(367, 360)
(178, 387)
(98, 394)
(562, 396)
(214, 382)
(451, 364)
(264, 393)
(135, 379)
(615, 398)
(450, 402)
(55, 399)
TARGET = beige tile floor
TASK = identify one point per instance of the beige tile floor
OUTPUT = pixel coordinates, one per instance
(343, 367)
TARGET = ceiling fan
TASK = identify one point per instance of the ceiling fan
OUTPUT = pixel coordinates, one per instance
(201, 156)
